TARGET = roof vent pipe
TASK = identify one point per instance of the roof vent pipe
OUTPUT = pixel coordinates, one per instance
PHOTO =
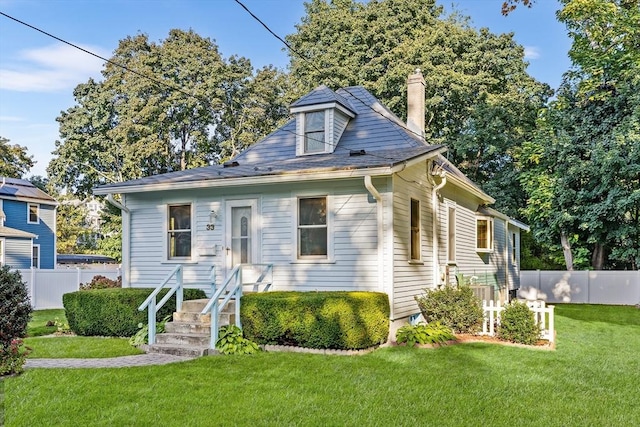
(416, 102)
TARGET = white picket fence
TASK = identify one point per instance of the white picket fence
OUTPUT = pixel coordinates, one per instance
(543, 315)
(46, 287)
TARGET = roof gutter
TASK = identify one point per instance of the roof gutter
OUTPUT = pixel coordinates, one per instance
(116, 203)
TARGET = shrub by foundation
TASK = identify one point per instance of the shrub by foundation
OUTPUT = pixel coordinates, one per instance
(455, 307)
(114, 311)
(322, 320)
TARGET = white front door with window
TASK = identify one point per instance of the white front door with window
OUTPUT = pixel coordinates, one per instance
(241, 233)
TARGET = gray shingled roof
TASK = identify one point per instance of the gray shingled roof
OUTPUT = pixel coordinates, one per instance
(377, 131)
(22, 189)
(12, 232)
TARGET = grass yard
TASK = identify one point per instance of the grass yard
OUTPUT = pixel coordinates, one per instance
(593, 378)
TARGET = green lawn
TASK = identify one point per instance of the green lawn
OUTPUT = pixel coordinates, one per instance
(39, 319)
(592, 379)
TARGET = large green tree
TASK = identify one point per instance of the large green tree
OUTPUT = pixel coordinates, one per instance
(582, 168)
(162, 107)
(480, 100)
(14, 160)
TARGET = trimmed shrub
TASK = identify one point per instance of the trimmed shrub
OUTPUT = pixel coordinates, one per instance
(101, 282)
(325, 320)
(114, 312)
(518, 324)
(15, 312)
(455, 307)
(15, 307)
(422, 333)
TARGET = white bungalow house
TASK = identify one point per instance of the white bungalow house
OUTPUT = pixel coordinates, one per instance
(345, 196)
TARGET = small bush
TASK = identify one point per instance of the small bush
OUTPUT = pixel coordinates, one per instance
(15, 312)
(231, 341)
(114, 312)
(422, 333)
(517, 324)
(13, 357)
(327, 320)
(455, 307)
(101, 282)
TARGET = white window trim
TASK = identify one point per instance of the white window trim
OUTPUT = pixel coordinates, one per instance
(2, 215)
(491, 242)
(300, 150)
(36, 245)
(2, 250)
(312, 259)
(29, 213)
(165, 237)
(514, 250)
(455, 237)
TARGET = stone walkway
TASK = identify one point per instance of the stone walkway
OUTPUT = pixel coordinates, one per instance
(110, 362)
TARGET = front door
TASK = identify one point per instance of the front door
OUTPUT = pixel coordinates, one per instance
(241, 233)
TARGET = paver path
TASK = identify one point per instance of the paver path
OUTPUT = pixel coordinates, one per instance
(110, 362)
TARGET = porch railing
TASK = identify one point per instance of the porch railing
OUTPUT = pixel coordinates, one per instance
(177, 289)
(230, 289)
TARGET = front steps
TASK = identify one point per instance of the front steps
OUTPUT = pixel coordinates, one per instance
(189, 334)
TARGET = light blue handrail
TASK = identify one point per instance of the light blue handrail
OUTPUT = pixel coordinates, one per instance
(177, 288)
(232, 288)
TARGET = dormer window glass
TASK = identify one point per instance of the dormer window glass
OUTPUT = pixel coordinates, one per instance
(314, 132)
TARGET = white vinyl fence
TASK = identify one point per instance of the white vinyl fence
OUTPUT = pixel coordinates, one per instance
(542, 313)
(590, 287)
(46, 287)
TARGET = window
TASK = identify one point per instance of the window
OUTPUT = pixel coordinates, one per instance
(451, 238)
(33, 213)
(415, 229)
(314, 140)
(35, 256)
(312, 227)
(514, 257)
(179, 232)
(484, 234)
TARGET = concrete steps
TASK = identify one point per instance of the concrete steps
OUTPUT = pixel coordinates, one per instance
(189, 334)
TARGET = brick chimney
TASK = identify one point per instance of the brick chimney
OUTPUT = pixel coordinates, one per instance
(415, 102)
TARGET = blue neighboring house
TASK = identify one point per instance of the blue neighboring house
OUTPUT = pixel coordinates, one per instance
(27, 225)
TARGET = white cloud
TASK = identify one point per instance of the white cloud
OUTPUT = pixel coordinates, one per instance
(53, 68)
(531, 52)
(11, 119)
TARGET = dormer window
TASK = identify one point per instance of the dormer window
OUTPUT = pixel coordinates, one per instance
(321, 118)
(314, 132)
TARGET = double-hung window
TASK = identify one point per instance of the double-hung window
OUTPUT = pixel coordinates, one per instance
(35, 256)
(484, 234)
(179, 232)
(451, 235)
(312, 227)
(314, 129)
(33, 213)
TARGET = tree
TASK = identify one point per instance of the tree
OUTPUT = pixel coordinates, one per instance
(14, 160)
(480, 99)
(164, 107)
(582, 169)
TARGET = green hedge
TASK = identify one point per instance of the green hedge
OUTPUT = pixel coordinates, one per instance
(326, 320)
(114, 312)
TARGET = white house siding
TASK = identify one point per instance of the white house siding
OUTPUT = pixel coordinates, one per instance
(410, 277)
(353, 223)
(468, 261)
(17, 252)
(340, 123)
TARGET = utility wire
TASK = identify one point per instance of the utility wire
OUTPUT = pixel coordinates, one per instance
(317, 68)
(153, 79)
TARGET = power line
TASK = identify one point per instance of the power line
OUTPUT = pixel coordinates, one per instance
(305, 59)
(124, 67)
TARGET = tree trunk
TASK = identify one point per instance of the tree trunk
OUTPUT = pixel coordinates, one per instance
(566, 250)
(597, 257)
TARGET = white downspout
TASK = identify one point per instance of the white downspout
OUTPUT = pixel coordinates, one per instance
(435, 212)
(380, 211)
(126, 259)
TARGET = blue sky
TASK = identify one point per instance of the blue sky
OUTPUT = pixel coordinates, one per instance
(38, 74)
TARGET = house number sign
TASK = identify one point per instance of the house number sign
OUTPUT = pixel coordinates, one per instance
(211, 227)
